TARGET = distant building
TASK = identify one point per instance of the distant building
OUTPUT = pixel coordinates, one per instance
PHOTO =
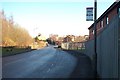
(54, 37)
(69, 38)
(79, 38)
(105, 19)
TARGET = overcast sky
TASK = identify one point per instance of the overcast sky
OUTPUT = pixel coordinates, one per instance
(60, 17)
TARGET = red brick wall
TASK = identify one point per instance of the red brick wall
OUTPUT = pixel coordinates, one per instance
(91, 33)
(110, 15)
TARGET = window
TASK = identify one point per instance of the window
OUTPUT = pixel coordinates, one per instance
(101, 24)
(92, 31)
(119, 12)
(107, 20)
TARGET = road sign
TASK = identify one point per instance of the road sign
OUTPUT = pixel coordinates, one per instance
(89, 14)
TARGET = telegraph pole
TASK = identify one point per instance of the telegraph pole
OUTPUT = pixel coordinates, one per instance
(95, 35)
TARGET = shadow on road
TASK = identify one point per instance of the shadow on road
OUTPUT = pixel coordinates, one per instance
(83, 68)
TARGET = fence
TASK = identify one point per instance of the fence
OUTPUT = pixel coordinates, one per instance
(108, 50)
(73, 45)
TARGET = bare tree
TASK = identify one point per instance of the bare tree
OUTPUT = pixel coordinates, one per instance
(13, 34)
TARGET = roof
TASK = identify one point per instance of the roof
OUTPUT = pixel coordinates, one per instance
(107, 11)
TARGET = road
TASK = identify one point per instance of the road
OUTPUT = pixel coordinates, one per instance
(43, 63)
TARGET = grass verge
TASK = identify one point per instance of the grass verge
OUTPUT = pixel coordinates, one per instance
(6, 51)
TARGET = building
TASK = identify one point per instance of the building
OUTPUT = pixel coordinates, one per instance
(107, 44)
(105, 19)
(69, 38)
(54, 37)
(80, 38)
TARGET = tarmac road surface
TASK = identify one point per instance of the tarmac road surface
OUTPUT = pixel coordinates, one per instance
(43, 63)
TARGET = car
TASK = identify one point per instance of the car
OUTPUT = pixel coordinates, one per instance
(56, 46)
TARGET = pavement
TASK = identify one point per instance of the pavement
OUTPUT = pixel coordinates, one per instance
(84, 67)
(47, 63)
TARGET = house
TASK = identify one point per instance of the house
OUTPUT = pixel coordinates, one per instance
(105, 19)
(69, 38)
(80, 38)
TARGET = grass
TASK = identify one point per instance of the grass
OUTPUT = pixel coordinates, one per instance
(12, 51)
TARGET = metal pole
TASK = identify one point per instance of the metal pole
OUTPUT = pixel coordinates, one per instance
(95, 35)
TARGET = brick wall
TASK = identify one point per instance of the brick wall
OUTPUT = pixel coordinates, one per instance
(110, 15)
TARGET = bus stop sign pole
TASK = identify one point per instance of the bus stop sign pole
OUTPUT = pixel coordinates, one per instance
(95, 36)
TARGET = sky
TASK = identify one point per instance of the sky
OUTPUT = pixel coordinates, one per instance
(60, 17)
